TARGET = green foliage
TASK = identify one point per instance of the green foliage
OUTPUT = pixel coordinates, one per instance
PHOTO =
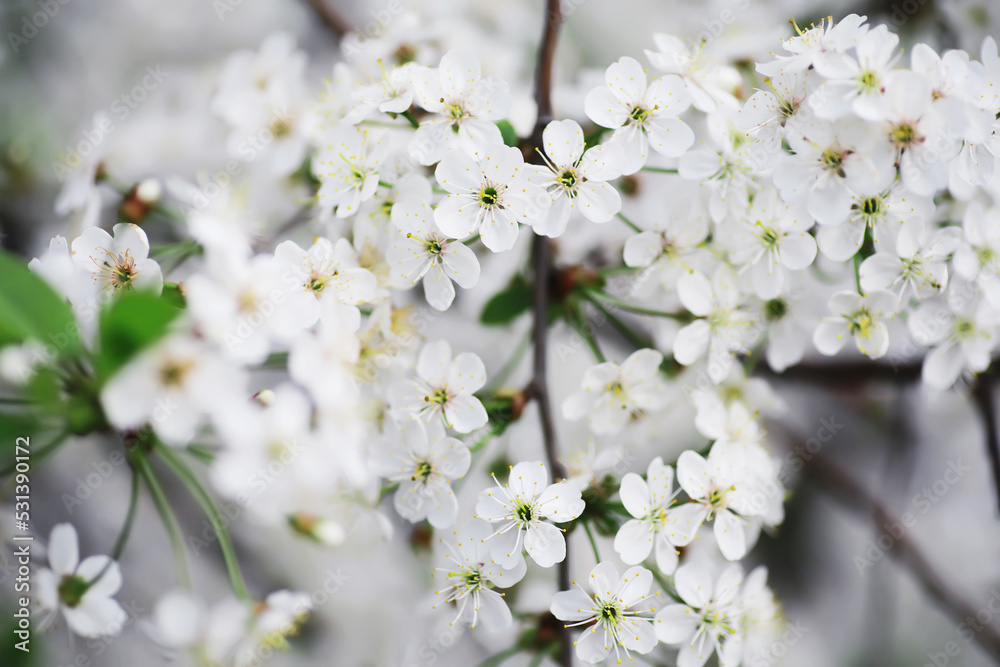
(31, 310)
(173, 295)
(508, 304)
(507, 132)
(131, 324)
(10, 655)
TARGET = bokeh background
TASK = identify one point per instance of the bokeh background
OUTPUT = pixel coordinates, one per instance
(893, 436)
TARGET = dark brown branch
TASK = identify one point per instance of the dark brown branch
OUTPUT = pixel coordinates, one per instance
(540, 250)
(541, 264)
(841, 486)
(331, 17)
(982, 395)
(546, 56)
(846, 372)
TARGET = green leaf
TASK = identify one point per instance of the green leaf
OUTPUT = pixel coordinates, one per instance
(134, 322)
(10, 655)
(31, 310)
(507, 132)
(508, 304)
(15, 425)
(174, 295)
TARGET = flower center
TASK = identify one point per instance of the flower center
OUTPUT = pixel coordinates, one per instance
(279, 449)
(639, 114)
(658, 517)
(439, 397)
(433, 247)
(357, 172)
(473, 579)
(455, 111)
(964, 328)
(72, 589)
(172, 373)
(768, 236)
(833, 161)
(775, 309)
(861, 323)
(489, 196)
(406, 53)
(524, 513)
(872, 206)
(617, 391)
(423, 471)
(567, 179)
(281, 128)
(318, 281)
(609, 614)
(717, 498)
(869, 81)
(986, 256)
(118, 271)
(903, 135)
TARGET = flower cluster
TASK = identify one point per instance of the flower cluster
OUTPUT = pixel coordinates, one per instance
(714, 205)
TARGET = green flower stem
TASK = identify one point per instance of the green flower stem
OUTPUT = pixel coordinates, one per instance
(208, 506)
(631, 224)
(593, 542)
(202, 453)
(275, 361)
(625, 330)
(659, 170)
(633, 308)
(667, 586)
(116, 550)
(617, 508)
(39, 455)
(537, 660)
(501, 657)
(497, 429)
(576, 321)
(169, 520)
(133, 505)
(857, 273)
(408, 115)
(511, 365)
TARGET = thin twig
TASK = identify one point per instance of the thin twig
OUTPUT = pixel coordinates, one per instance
(830, 476)
(540, 254)
(204, 499)
(169, 519)
(541, 264)
(541, 251)
(332, 18)
(982, 395)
